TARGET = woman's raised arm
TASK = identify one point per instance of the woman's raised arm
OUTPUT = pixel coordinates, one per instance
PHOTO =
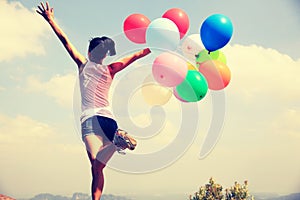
(48, 15)
(124, 62)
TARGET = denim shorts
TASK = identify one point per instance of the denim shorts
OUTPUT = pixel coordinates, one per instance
(99, 125)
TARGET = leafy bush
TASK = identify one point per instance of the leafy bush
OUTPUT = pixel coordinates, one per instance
(214, 191)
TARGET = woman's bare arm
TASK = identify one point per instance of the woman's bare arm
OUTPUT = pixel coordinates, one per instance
(124, 62)
(48, 15)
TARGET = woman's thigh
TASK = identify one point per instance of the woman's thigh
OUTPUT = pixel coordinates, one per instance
(98, 151)
(94, 143)
(97, 134)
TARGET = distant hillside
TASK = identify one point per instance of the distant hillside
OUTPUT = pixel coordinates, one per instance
(295, 196)
(76, 196)
(82, 196)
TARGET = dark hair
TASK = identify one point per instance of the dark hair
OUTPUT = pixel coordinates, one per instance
(100, 47)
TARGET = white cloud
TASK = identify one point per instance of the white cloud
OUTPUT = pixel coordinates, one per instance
(59, 87)
(256, 70)
(264, 89)
(2, 89)
(22, 31)
(34, 151)
(287, 124)
(23, 129)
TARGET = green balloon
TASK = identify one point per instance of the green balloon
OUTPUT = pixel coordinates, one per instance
(193, 88)
(221, 57)
(203, 56)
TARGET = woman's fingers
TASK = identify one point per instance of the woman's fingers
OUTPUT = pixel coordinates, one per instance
(47, 5)
(43, 6)
(41, 10)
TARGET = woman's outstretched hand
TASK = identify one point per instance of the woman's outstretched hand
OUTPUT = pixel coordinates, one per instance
(46, 12)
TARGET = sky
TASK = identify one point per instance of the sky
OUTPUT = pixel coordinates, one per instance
(40, 145)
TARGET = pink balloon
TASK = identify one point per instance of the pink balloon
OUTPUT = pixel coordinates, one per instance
(175, 93)
(169, 70)
(180, 18)
(135, 27)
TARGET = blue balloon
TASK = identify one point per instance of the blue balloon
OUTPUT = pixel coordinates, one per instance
(216, 31)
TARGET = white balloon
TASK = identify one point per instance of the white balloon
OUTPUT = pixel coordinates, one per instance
(162, 34)
(191, 46)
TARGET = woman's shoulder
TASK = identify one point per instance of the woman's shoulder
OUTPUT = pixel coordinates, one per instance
(83, 65)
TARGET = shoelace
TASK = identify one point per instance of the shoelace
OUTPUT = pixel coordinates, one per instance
(121, 151)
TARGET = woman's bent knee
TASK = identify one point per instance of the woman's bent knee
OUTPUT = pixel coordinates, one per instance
(105, 153)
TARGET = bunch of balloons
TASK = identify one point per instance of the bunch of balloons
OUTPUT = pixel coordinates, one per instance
(187, 82)
(162, 33)
(215, 32)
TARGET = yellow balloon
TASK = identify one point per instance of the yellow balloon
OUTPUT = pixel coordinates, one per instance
(191, 67)
(155, 94)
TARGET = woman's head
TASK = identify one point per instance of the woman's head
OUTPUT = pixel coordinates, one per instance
(100, 47)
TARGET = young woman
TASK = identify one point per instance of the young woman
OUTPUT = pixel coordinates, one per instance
(97, 121)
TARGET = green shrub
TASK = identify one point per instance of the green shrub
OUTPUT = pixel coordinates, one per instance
(214, 191)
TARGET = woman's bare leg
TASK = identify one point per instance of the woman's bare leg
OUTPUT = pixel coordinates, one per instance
(99, 153)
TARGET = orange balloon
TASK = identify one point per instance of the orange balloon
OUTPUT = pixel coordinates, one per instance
(216, 73)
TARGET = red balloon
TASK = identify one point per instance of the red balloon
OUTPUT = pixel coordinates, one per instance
(180, 18)
(216, 73)
(135, 26)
